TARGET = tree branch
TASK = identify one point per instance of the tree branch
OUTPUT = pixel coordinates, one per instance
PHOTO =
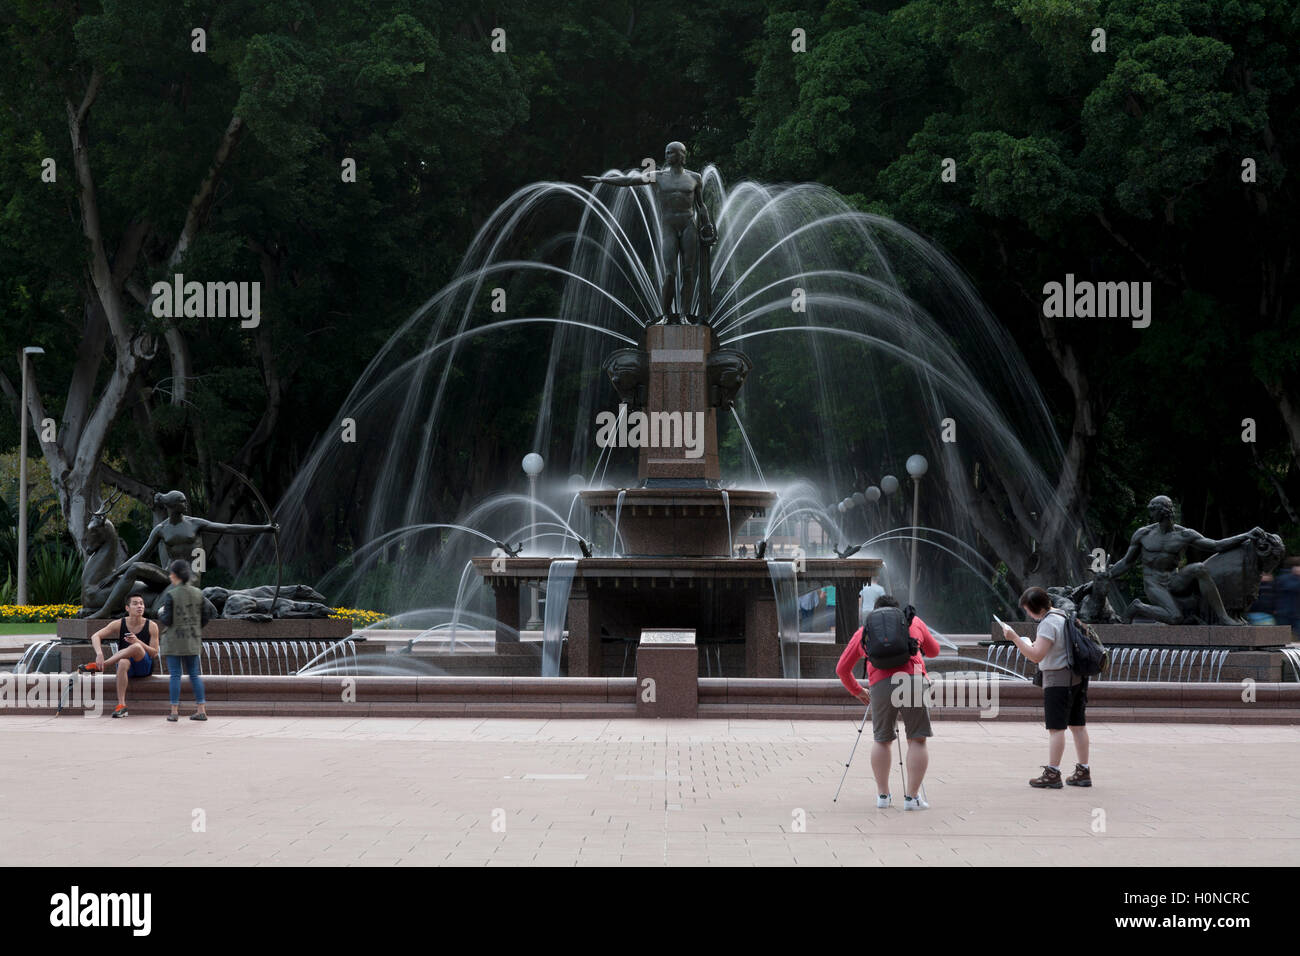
(100, 272)
(137, 489)
(1128, 247)
(202, 200)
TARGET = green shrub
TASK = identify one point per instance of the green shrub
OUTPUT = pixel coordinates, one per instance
(55, 577)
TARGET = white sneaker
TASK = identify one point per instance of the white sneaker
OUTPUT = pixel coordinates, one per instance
(884, 801)
(915, 803)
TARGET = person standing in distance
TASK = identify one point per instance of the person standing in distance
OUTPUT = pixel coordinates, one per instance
(183, 614)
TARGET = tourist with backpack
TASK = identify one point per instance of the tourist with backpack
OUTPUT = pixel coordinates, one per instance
(895, 643)
(1065, 688)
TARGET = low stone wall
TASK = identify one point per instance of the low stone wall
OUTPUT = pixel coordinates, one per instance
(601, 697)
(311, 696)
(1240, 636)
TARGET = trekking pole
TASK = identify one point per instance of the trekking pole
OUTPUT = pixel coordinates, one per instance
(851, 753)
(901, 771)
(64, 694)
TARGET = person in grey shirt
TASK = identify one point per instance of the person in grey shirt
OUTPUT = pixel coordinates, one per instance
(1065, 693)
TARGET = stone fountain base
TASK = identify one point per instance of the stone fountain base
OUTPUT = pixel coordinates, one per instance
(75, 647)
(1253, 652)
(729, 602)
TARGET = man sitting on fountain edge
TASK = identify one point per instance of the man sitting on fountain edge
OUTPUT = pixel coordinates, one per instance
(137, 640)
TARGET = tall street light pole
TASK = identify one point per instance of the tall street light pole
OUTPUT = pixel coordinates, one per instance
(916, 467)
(533, 466)
(22, 480)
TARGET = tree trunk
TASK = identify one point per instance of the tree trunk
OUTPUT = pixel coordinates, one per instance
(74, 458)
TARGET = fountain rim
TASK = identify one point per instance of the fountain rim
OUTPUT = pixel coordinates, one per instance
(535, 567)
(669, 496)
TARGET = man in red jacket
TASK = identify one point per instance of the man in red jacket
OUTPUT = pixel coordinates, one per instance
(902, 694)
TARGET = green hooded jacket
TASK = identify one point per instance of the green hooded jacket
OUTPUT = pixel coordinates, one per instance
(184, 613)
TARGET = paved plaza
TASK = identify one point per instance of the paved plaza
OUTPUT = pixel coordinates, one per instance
(380, 792)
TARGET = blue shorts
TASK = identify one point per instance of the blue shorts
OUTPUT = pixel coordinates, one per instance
(141, 668)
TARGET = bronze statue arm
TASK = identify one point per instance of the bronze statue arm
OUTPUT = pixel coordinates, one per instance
(1123, 564)
(216, 528)
(153, 540)
(620, 179)
(707, 230)
(1223, 544)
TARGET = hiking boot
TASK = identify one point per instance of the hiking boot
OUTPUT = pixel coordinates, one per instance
(914, 803)
(884, 801)
(119, 710)
(1050, 779)
(1082, 776)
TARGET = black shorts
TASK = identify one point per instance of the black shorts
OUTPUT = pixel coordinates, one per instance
(1066, 706)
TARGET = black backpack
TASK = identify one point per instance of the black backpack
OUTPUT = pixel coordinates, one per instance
(885, 637)
(1084, 651)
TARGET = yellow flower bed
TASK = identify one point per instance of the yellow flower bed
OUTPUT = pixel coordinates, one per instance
(358, 617)
(36, 613)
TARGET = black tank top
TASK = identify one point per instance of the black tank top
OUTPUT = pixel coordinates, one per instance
(143, 635)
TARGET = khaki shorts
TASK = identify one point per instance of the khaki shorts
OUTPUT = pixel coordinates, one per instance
(887, 695)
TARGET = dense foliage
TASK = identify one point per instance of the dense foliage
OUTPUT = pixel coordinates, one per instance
(1122, 165)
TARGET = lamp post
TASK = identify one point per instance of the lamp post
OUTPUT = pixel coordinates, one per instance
(916, 467)
(22, 480)
(533, 466)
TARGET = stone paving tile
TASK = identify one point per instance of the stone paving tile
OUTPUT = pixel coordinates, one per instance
(397, 791)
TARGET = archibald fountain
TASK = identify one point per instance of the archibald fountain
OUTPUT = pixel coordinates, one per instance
(657, 552)
(675, 530)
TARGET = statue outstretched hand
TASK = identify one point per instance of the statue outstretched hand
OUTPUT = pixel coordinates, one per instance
(639, 178)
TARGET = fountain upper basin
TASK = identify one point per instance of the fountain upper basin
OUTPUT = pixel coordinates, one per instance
(677, 522)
